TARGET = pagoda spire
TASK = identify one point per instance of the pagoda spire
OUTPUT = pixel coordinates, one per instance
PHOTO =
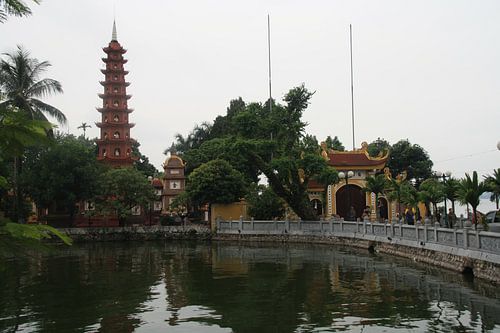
(114, 35)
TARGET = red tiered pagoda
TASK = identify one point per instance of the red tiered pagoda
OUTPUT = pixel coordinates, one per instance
(115, 143)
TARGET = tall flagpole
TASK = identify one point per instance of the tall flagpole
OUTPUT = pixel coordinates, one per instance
(352, 90)
(269, 67)
(269, 59)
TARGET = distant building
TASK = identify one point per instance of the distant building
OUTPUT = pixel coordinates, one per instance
(174, 180)
(115, 142)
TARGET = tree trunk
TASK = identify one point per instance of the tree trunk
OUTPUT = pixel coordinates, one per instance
(377, 213)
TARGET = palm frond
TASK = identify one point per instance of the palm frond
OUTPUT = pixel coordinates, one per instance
(50, 110)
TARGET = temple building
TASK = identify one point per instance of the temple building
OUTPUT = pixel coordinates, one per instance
(115, 142)
(355, 166)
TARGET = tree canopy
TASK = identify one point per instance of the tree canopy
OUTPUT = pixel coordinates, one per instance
(215, 182)
(263, 139)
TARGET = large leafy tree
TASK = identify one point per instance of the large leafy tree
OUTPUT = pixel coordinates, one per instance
(15, 8)
(62, 174)
(493, 185)
(394, 191)
(412, 159)
(21, 88)
(122, 189)
(470, 192)
(266, 139)
(215, 182)
(377, 185)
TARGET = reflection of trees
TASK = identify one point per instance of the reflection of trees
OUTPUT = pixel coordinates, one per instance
(89, 285)
(244, 288)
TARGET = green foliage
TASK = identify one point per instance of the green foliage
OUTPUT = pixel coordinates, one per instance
(15, 8)
(264, 204)
(20, 83)
(432, 191)
(17, 132)
(122, 189)
(493, 184)
(411, 158)
(394, 190)
(142, 164)
(215, 182)
(378, 147)
(63, 173)
(470, 191)
(16, 239)
(377, 185)
(256, 139)
(334, 143)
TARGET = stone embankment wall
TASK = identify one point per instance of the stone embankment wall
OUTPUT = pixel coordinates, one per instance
(193, 232)
(463, 250)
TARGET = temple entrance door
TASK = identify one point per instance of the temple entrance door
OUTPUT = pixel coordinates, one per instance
(383, 208)
(318, 206)
(353, 194)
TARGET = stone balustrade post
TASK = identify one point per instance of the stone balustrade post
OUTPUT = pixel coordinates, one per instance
(436, 226)
(217, 223)
(240, 223)
(252, 225)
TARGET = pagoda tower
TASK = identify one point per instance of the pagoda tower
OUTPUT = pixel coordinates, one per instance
(115, 143)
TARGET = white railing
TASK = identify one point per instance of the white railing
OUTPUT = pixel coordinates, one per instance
(415, 235)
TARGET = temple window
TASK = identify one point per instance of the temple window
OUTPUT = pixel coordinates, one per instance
(128, 152)
(115, 103)
(174, 172)
(104, 152)
(115, 66)
(117, 151)
(126, 135)
(115, 89)
(116, 135)
(175, 184)
(116, 118)
(105, 135)
(115, 77)
(105, 119)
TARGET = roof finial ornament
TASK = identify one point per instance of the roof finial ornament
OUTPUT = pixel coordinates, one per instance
(114, 35)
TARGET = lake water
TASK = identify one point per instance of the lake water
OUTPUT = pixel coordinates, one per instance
(227, 287)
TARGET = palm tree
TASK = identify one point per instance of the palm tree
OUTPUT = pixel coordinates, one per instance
(493, 183)
(14, 7)
(84, 126)
(410, 196)
(470, 192)
(376, 185)
(394, 190)
(451, 187)
(432, 191)
(21, 87)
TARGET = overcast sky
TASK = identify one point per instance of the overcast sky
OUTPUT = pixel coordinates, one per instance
(428, 71)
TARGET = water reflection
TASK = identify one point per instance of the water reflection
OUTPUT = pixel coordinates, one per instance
(187, 287)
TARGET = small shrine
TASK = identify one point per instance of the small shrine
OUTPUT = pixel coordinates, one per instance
(115, 142)
(353, 167)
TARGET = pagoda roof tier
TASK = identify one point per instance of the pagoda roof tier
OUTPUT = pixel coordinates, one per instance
(358, 159)
(108, 109)
(113, 140)
(118, 159)
(116, 71)
(115, 83)
(106, 60)
(115, 124)
(118, 48)
(114, 95)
